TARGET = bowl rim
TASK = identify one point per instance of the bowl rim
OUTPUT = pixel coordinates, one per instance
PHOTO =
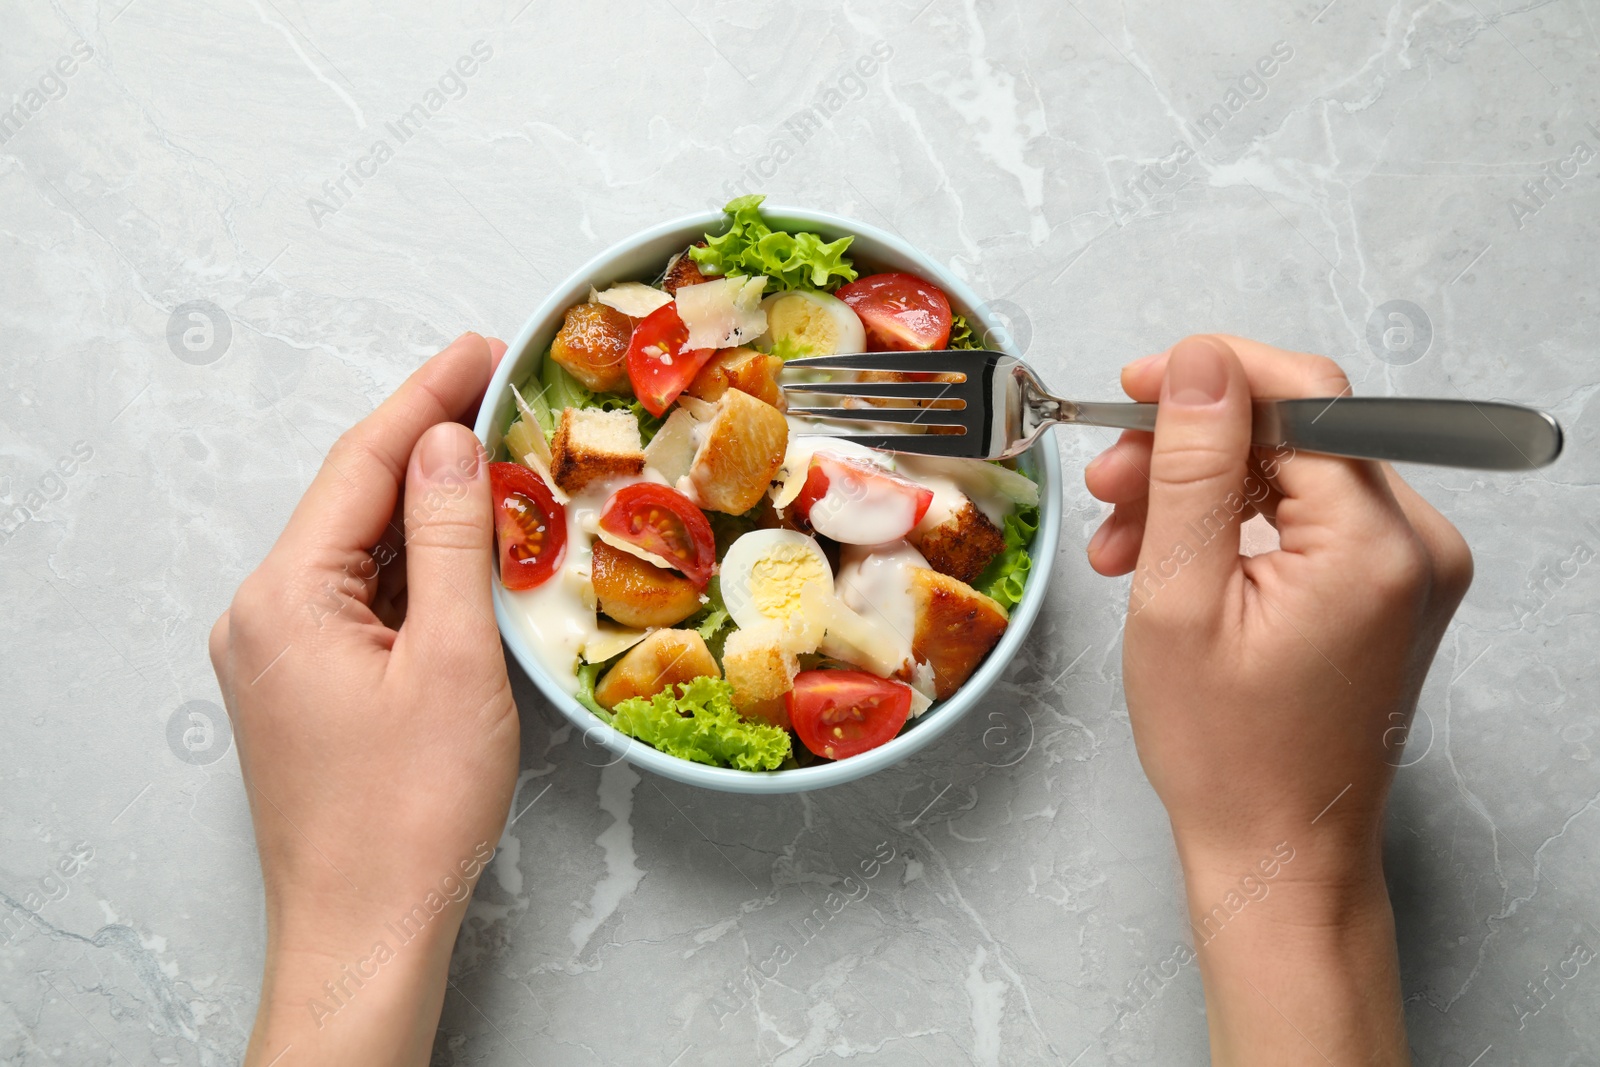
(936, 721)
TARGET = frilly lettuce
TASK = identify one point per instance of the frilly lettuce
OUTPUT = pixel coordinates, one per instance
(793, 260)
(961, 334)
(702, 725)
(587, 675)
(556, 389)
(1006, 575)
(712, 622)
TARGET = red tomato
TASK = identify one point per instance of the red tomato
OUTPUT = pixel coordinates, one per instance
(902, 313)
(839, 714)
(531, 526)
(857, 502)
(658, 365)
(665, 522)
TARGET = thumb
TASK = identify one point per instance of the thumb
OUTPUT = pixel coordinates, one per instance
(1198, 466)
(449, 550)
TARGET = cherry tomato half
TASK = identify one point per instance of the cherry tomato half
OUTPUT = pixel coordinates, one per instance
(901, 312)
(659, 367)
(839, 714)
(857, 502)
(530, 526)
(665, 522)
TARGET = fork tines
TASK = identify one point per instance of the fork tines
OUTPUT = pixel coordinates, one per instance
(954, 412)
(940, 362)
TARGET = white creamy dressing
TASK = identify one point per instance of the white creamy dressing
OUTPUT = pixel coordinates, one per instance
(953, 484)
(875, 581)
(559, 614)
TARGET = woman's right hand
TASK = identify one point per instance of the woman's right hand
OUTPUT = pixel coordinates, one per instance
(1269, 696)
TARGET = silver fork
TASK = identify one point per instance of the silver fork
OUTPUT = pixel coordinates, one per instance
(1000, 408)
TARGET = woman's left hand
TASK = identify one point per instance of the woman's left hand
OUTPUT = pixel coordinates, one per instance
(378, 741)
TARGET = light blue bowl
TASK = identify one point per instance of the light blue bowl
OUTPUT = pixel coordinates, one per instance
(641, 256)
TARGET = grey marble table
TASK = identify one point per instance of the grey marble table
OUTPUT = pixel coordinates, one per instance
(229, 229)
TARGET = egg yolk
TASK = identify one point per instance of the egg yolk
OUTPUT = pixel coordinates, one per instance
(777, 579)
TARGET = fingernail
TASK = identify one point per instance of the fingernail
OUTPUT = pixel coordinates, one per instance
(1095, 462)
(448, 453)
(1196, 375)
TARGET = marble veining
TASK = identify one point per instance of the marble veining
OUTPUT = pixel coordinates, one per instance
(211, 269)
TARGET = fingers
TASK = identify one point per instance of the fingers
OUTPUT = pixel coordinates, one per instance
(1122, 472)
(1447, 550)
(1197, 470)
(217, 645)
(1120, 475)
(1273, 372)
(1114, 549)
(1327, 501)
(449, 554)
(349, 503)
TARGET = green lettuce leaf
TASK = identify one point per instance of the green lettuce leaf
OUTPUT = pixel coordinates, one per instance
(558, 390)
(712, 622)
(588, 674)
(1007, 573)
(648, 423)
(702, 725)
(961, 335)
(793, 260)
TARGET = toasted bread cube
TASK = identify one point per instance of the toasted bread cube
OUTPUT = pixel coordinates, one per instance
(683, 271)
(638, 593)
(590, 443)
(740, 454)
(962, 545)
(592, 345)
(956, 627)
(744, 369)
(758, 665)
(665, 658)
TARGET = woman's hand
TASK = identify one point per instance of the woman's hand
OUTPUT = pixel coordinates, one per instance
(379, 755)
(1269, 696)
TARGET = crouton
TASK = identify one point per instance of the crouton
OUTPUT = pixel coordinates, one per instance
(665, 658)
(683, 271)
(638, 593)
(740, 454)
(590, 443)
(744, 369)
(962, 544)
(956, 627)
(758, 665)
(592, 345)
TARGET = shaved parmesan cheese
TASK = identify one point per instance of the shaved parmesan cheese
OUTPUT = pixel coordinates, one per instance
(849, 636)
(633, 299)
(537, 458)
(701, 410)
(724, 313)
(611, 640)
(996, 490)
(633, 550)
(671, 451)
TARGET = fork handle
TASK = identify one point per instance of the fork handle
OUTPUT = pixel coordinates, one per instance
(1481, 434)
